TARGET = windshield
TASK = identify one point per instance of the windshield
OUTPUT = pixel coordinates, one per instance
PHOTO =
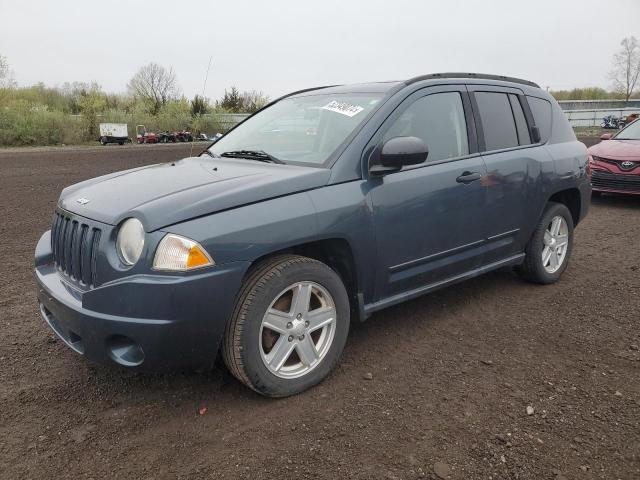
(632, 132)
(305, 130)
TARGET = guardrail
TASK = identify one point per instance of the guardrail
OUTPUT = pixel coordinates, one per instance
(593, 117)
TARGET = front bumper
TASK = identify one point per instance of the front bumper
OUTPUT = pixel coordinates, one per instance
(606, 181)
(152, 322)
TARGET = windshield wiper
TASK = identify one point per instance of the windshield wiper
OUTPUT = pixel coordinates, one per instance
(259, 155)
(210, 153)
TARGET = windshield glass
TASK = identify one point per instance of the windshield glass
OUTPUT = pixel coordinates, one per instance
(632, 132)
(305, 130)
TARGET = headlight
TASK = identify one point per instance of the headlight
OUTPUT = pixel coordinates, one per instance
(176, 253)
(130, 241)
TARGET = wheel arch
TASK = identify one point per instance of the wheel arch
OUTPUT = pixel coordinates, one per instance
(337, 254)
(570, 198)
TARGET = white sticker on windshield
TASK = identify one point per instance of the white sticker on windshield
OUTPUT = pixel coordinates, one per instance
(343, 108)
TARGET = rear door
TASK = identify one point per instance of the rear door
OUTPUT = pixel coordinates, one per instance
(514, 180)
(428, 217)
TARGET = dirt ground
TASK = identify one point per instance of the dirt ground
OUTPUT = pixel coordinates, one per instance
(452, 372)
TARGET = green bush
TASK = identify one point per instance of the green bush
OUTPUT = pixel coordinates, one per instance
(39, 115)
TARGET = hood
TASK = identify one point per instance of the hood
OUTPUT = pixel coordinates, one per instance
(164, 194)
(617, 149)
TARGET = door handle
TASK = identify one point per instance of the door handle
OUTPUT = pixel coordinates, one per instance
(468, 177)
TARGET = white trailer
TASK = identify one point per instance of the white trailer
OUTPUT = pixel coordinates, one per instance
(113, 133)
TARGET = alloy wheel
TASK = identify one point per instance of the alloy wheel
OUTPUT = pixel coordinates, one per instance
(297, 330)
(555, 244)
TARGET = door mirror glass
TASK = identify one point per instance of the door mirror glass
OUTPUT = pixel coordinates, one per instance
(398, 152)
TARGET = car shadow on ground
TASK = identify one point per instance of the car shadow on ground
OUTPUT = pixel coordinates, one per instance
(617, 200)
(382, 330)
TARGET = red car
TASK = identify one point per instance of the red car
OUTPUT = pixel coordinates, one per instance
(615, 162)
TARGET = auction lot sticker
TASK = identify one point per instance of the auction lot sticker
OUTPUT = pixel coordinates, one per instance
(343, 108)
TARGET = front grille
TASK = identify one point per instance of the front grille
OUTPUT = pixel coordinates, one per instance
(615, 181)
(621, 164)
(75, 247)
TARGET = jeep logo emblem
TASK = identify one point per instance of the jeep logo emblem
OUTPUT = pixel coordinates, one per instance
(83, 201)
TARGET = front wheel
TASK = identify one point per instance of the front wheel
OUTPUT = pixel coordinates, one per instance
(548, 251)
(289, 326)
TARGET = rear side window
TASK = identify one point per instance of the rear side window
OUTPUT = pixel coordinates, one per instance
(541, 110)
(521, 122)
(439, 120)
(498, 124)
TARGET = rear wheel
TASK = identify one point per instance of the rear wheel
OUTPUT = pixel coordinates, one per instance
(103, 140)
(549, 249)
(289, 326)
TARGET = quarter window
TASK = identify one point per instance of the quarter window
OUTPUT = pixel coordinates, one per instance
(541, 111)
(498, 123)
(437, 119)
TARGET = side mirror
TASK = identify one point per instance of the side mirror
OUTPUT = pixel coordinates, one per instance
(397, 152)
(606, 136)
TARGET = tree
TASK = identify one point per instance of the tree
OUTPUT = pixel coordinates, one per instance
(245, 102)
(74, 92)
(6, 75)
(626, 67)
(199, 105)
(91, 102)
(230, 101)
(253, 101)
(155, 85)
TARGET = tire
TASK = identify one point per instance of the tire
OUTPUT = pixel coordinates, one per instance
(249, 347)
(103, 140)
(120, 143)
(533, 268)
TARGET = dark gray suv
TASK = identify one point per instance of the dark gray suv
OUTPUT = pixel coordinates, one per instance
(325, 206)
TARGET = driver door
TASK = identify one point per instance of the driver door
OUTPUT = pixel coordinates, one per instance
(429, 217)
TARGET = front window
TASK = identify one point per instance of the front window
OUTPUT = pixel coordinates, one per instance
(300, 130)
(632, 132)
(438, 120)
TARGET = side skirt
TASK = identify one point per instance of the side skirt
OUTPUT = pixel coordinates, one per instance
(367, 310)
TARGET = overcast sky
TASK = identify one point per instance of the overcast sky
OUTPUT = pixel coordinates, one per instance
(280, 46)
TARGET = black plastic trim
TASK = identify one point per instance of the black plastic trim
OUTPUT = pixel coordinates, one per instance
(480, 76)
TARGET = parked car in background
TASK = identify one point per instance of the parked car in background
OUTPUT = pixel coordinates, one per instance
(267, 245)
(615, 162)
(142, 136)
(114, 133)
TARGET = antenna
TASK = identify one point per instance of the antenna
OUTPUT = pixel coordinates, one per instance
(204, 86)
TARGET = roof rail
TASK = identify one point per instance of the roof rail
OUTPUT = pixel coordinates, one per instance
(481, 76)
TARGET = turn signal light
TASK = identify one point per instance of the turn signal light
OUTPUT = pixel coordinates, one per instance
(178, 254)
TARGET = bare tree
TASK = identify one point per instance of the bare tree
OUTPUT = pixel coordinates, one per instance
(253, 101)
(154, 84)
(6, 75)
(626, 67)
